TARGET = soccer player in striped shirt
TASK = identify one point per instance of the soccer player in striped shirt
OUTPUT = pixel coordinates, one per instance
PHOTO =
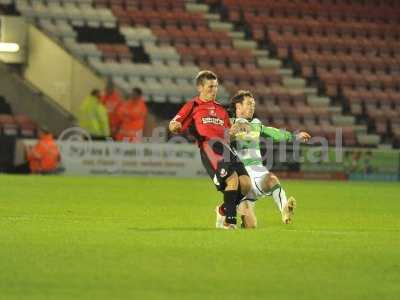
(248, 131)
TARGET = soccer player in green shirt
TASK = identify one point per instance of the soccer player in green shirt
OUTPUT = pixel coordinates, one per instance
(246, 132)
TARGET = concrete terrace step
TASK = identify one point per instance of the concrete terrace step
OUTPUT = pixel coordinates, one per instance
(318, 101)
(343, 120)
(244, 44)
(360, 128)
(220, 26)
(269, 63)
(311, 91)
(286, 72)
(261, 53)
(368, 139)
(212, 17)
(196, 7)
(335, 110)
(236, 35)
(294, 82)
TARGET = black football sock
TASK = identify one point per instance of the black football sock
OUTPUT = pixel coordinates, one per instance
(230, 198)
(239, 197)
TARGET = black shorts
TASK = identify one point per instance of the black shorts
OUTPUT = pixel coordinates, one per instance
(220, 162)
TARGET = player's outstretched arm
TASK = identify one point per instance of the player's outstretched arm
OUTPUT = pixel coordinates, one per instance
(277, 134)
(303, 136)
(175, 127)
(282, 135)
(183, 119)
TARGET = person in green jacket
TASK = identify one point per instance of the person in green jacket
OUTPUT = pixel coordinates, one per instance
(93, 116)
(246, 132)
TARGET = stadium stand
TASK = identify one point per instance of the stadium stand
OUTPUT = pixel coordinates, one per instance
(350, 48)
(18, 125)
(114, 59)
(315, 65)
(30, 108)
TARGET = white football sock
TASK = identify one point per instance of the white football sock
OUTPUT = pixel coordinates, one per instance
(279, 195)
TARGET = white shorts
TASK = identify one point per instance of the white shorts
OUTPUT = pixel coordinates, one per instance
(257, 176)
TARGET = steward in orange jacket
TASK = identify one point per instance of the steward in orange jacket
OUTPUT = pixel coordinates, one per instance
(44, 157)
(131, 116)
(111, 100)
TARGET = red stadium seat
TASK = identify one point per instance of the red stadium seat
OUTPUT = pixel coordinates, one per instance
(8, 125)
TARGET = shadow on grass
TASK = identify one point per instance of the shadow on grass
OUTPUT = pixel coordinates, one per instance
(170, 229)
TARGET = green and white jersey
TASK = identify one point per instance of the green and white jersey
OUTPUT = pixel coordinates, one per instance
(247, 145)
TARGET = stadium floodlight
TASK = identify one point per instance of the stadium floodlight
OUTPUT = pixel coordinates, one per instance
(9, 47)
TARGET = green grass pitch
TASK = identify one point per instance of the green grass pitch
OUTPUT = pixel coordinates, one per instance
(143, 238)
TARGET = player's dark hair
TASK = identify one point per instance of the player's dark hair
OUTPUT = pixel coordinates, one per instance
(95, 92)
(238, 98)
(205, 75)
(137, 91)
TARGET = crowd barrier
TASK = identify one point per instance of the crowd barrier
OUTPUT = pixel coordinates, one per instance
(183, 160)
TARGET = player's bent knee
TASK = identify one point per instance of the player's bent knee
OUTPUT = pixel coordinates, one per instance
(272, 180)
(245, 184)
(232, 182)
